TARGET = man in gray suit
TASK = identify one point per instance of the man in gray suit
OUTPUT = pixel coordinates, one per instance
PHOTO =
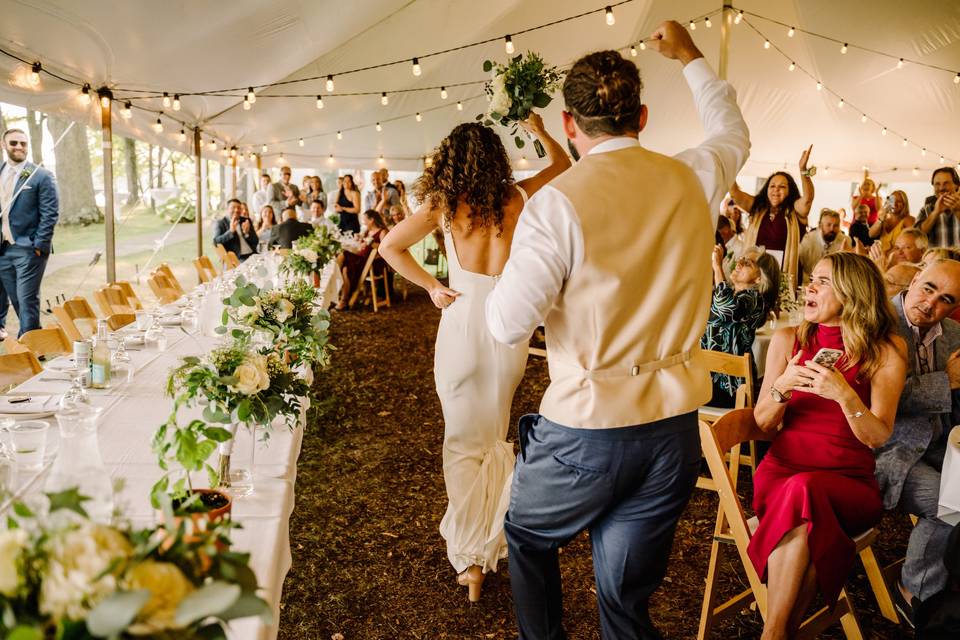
(910, 462)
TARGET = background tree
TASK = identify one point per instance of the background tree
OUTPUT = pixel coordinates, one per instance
(74, 173)
(35, 130)
(132, 174)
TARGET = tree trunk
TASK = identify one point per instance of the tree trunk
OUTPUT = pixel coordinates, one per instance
(3, 122)
(150, 174)
(159, 167)
(74, 175)
(35, 129)
(133, 177)
(173, 169)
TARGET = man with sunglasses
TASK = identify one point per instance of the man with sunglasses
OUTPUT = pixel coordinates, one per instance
(910, 462)
(29, 209)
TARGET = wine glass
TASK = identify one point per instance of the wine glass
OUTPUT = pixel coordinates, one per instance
(75, 396)
(121, 366)
(189, 320)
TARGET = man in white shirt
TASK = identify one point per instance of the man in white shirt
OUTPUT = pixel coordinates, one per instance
(615, 448)
(263, 196)
(825, 239)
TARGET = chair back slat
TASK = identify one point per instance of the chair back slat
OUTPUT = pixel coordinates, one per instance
(16, 368)
(51, 341)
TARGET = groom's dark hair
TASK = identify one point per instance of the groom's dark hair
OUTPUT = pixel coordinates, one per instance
(602, 92)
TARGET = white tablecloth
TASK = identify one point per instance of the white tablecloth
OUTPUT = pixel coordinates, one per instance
(132, 413)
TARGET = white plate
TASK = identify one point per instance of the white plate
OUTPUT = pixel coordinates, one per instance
(170, 321)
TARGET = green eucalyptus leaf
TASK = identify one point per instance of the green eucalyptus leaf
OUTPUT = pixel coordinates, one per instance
(248, 604)
(487, 66)
(210, 600)
(519, 142)
(115, 613)
(541, 100)
(24, 632)
(22, 510)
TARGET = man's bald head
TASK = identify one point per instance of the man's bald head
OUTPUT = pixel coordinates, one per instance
(898, 278)
(934, 294)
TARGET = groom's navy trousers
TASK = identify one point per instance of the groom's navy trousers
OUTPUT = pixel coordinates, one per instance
(627, 487)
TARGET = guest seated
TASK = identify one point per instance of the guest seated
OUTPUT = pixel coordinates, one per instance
(910, 246)
(815, 488)
(290, 230)
(268, 220)
(936, 254)
(738, 308)
(898, 277)
(352, 262)
(397, 215)
(235, 231)
(317, 207)
(910, 462)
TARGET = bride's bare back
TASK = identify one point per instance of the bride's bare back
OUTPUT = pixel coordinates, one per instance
(481, 250)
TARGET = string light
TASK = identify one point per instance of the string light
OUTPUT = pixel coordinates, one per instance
(166, 99)
(104, 100)
(281, 159)
(330, 159)
(459, 106)
(643, 46)
(633, 51)
(329, 84)
(883, 131)
(923, 151)
(956, 78)
(339, 135)
(793, 65)
(610, 19)
(840, 104)
(905, 142)
(34, 77)
(900, 63)
(263, 149)
(85, 95)
(508, 44)
(843, 49)
(419, 117)
(863, 117)
(233, 152)
(379, 128)
(224, 152)
(250, 156)
(819, 86)
(251, 96)
(300, 142)
(766, 44)
(416, 67)
(176, 102)
(443, 93)
(126, 112)
(791, 32)
(941, 160)
(915, 172)
(319, 102)
(158, 125)
(212, 145)
(246, 104)
(693, 26)
(380, 159)
(384, 100)
(738, 18)
(707, 23)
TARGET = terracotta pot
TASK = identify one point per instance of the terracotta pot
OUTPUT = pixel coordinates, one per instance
(316, 280)
(199, 521)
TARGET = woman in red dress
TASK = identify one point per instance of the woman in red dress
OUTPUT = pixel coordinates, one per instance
(815, 489)
(351, 263)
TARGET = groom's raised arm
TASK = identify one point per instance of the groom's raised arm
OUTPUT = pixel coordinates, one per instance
(547, 247)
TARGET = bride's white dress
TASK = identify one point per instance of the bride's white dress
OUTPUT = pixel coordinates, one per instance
(476, 378)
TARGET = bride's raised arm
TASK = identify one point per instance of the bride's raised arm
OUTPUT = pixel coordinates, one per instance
(559, 161)
(395, 249)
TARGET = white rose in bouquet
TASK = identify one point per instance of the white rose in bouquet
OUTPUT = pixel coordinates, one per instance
(77, 576)
(252, 314)
(12, 543)
(285, 309)
(259, 362)
(248, 378)
(309, 255)
(500, 101)
(167, 586)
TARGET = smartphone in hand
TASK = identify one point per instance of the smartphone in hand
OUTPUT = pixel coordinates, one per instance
(827, 357)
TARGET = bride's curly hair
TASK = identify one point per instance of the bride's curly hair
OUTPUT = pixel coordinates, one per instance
(471, 163)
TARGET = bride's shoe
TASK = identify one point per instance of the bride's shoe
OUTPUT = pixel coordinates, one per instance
(472, 578)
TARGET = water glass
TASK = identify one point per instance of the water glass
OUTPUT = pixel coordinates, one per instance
(29, 442)
(155, 336)
(75, 396)
(189, 320)
(144, 319)
(121, 367)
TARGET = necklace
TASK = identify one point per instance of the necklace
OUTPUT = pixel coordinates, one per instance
(773, 214)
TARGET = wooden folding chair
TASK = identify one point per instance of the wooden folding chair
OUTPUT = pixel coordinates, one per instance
(120, 320)
(12, 345)
(165, 269)
(368, 277)
(208, 265)
(78, 307)
(221, 253)
(718, 440)
(202, 274)
(47, 342)
(75, 328)
(231, 260)
(161, 288)
(133, 300)
(111, 299)
(17, 367)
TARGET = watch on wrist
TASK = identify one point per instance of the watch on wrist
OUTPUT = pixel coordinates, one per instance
(778, 397)
(809, 173)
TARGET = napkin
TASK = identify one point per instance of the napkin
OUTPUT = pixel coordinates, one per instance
(59, 374)
(36, 404)
(949, 510)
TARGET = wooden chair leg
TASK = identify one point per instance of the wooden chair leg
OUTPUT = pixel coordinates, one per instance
(710, 591)
(851, 627)
(878, 585)
(373, 290)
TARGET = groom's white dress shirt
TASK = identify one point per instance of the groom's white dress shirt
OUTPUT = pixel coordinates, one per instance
(547, 244)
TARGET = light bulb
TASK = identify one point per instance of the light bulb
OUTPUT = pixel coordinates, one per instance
(843, 49)
(738, 18)
(300, 142)
(212, 145)
(233, 152)
(819, 86)
(766, 44)
(35, 74)
(339, 135)
(826, 170)
(419, 117)
(105, 102)
(840, 104)
(224, 152)
(793, 65)
(263, 149)
(904, 142)
(508, 44)
(915, 172)
(459, 106)
(791, 32)
(883, 131)
(643, 45)
(319, 102)
(158, 126)
(416, 67)
(693, 25)
(246, 104)
(384, 100)
(281, 159)
(941, 160)
(166, 99)
(900, 63)
(610, 19)
(380, 159)
(250, 156)
(707, 23)
(443, 93)
(85, 95)
(126, 112)
(863, 117)
(379, 128)
(176, 102)
(251, 96)
(329, 84)
(633, 51)
(956, 79)
(330, 159)
(923, 151)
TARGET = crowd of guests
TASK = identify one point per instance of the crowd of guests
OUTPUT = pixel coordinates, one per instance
(869, 432)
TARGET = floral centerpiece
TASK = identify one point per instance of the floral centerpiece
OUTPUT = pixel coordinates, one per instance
(290, 315)
(73, 579)
(311, 253)
(515, 89)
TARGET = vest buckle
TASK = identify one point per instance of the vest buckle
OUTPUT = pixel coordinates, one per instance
(635, 370)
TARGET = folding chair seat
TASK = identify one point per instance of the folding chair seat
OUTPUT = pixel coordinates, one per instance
(47, 342)
(16, 368)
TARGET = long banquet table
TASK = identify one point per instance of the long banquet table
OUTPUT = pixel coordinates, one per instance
(132, 412)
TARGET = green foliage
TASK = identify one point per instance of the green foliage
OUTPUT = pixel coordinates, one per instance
(182, 207)
(515, 89)
(311, 253)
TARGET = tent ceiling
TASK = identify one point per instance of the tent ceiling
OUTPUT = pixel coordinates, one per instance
(186, 46)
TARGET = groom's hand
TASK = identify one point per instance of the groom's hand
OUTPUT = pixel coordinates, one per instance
(674, 42)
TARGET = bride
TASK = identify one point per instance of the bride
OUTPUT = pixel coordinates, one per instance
(469, 192)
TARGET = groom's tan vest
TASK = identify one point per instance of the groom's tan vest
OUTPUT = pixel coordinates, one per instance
(622, 337)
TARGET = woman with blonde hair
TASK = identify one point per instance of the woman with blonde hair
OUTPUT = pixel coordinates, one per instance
(833, 383)
(891, 221)
(468, 191)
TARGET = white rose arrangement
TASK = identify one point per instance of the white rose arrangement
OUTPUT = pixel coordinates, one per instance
(312, 253)
(12, 544)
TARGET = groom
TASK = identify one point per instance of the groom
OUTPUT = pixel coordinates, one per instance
(615, 448)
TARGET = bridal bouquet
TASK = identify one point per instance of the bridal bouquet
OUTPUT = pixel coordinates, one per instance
(66, 577)
(311, 253)
(290, 315)
(515, 89)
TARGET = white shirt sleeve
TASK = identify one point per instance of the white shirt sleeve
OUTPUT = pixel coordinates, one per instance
(718, 160)
(547, 247)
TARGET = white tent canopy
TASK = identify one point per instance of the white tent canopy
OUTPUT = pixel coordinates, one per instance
(198, 46)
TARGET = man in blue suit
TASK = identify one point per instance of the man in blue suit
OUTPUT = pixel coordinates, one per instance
(29, 208)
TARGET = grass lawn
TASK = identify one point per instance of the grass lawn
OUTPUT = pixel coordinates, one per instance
(140, 221)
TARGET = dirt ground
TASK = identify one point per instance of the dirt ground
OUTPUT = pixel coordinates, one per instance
(368, 561)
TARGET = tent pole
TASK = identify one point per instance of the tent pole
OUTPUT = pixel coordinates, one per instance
(233, 174)
(725, 19)
(197, 155)
(106, 125)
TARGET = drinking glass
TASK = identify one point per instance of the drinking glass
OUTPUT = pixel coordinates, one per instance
(155, 336)
(121, 367)
(75, 396)
(189, 320)
(29, 441)
(144, 319)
